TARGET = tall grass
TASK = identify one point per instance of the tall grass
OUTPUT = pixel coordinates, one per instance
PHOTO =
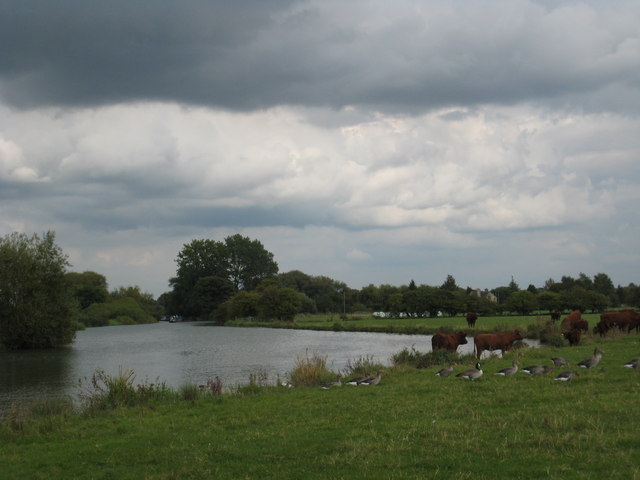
(310, 371)
(104, 391)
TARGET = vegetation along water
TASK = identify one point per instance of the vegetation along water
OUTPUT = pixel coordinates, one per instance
(413, 424)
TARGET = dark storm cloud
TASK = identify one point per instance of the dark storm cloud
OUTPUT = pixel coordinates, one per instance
(256, 54)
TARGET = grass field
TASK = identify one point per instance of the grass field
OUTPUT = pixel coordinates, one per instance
(413, 425)
(365, 322)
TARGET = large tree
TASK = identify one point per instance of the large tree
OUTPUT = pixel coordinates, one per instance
(248, 262)
(36, 304)
(209, 272)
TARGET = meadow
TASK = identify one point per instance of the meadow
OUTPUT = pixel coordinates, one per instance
(412, 425)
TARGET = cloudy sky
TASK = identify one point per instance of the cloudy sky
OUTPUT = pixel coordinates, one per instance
(368, 141)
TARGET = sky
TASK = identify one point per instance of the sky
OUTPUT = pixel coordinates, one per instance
(369, 141)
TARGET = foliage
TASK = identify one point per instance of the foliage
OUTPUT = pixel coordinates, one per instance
(210, 271)
(311, 371)
(36, 307)
(425, 360)
(119, 311)
(363, 366)
(143, 299)
(524, 302)
(104, 391)
(87, 288)
(279, 303)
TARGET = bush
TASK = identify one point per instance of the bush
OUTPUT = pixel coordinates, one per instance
(363, 366)
(121, 311)
(105, 391)
(311, 371)
(425, 360)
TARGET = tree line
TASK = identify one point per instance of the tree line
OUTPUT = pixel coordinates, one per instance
(42, 304)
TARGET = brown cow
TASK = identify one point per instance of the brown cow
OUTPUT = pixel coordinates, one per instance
(495, 341)
(555, 315)
(573, 336)
(625, 320)
(574, 321)
(471, 319)
(448, 341)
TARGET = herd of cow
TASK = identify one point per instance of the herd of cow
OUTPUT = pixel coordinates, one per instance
(573, 326)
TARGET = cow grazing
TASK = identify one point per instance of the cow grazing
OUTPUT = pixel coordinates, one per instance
(471, 319)
(625, 320)
(573, 336)
(495, 341)
(574, 321)
(448, 341)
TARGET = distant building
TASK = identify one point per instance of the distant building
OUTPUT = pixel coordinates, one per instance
(486, 294)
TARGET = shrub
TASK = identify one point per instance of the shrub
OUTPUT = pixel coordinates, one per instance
(120, 311)
(310, 371)
(425, 360)
(105, 391)
(363, 366)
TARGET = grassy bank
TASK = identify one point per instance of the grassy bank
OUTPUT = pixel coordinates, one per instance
(423, 326)
(412, 425)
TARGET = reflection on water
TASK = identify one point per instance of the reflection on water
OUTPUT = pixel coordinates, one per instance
(177, 353)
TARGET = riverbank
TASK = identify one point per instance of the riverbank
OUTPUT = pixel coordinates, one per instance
(409, 326)
(412, 425)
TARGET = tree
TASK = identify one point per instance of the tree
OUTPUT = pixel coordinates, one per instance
(36, 305)
(239, 260)
(248, 262)
(449, 284)
(523, 302)
(279, 303)
(88, 288)
(549, 301)
(144, 299)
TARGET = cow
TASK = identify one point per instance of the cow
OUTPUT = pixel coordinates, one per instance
(471, 319)
(555, 315)
(495, 341)
(573, 336)
(574, 321)
(625, 320)
(448, 341)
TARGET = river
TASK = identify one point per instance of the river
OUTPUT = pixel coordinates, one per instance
(179, 353)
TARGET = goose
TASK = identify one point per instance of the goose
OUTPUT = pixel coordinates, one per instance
(471, 373)
(359, 380)
(634, 363)
(446, 371)
(373, 380)
(509, 370)
(536, 369)
(566, 376)
(337, 383)
(591, 362)
(559, 361)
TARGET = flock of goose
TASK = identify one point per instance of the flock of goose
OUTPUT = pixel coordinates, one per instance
(565, 376)
(477, 372)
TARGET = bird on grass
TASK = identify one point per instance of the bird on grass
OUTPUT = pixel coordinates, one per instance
(634, 363)
(359, 380)
(566, 376)
(537, 369)
(446, 371)
(559, 361)
(372, 380)
(592, 361)
(509, 370)
(471, 373)
(337, 383)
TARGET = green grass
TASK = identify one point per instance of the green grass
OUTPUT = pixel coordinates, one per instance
(424, 326)
(412, 425)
